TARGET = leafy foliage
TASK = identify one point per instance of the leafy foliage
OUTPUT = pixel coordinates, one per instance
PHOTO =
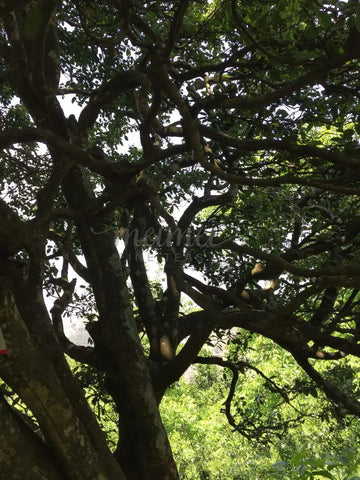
(205, 447)
(220, 138)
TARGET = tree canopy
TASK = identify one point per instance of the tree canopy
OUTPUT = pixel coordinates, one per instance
(219, 139)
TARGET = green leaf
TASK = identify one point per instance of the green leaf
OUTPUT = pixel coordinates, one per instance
(324, 474)
(280, 465)
(357, 128)
(325, 20)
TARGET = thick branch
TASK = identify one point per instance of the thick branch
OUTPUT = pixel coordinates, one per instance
(200, 203)
(106, 94)
(324, 154)
(321, 67)
(331, 391)
(176, 25)
(353, 270)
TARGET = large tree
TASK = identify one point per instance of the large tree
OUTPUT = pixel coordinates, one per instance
(220, 137)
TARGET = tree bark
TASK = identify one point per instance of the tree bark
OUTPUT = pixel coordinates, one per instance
(144, 450)
(22, 453)
(30, 372)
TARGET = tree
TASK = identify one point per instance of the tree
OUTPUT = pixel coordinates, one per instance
(246, 171)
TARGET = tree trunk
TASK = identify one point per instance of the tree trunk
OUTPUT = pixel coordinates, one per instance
(79, 451)
(144, 450)
(23, 455)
